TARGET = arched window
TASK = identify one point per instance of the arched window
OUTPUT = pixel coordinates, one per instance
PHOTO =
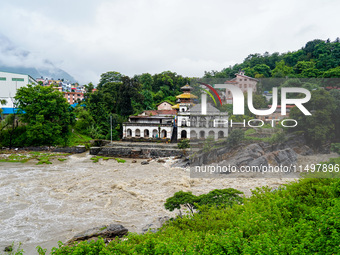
(184, 134)
(155, 133)
(193, 134)
(211, 134)
(137, 133)
(146, 133)
(220, 134)
(202, 134)
(163, 133)
(129, 133)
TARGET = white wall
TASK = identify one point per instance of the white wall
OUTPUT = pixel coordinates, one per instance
(9, 83)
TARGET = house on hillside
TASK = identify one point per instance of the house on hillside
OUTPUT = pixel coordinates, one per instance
(164, 106)
(243, 82)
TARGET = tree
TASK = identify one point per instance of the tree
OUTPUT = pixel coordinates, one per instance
(47, 114)
(148, 100)
(221, 197)
(129, 92)
(335, 93)
(332, 73)
(146, 80)
(186, 199)
(235, 137)
(281, 70)
(319, 127)
(109, 77)
(84, 120)
(262, 69)
(217, 197)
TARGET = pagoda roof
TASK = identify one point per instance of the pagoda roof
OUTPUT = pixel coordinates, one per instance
(186, 87)
(186, 95)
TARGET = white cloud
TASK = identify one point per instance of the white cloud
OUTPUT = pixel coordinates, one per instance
(87, 38)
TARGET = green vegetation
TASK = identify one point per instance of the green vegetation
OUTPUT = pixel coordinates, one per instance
(335, 147)
(95, 159)
(219, 198)
(42, 158)
(46, 113)
(235, 137)
(78, 139)
(14, 249)
(320, 126)
(297, 218)
(317, 58)
(183, 144)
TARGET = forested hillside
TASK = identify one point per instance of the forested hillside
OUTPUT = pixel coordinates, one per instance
(318, 58)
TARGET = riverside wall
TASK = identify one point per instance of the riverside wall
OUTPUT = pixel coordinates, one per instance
(137, 150)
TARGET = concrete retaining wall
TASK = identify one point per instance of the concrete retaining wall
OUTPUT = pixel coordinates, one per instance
(75, 149)
(136, 151)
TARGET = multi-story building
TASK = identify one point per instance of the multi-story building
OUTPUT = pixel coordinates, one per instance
(73, 97)
(243, 82)
(9, 84)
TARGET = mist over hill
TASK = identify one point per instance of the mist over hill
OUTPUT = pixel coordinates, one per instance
(15, 60)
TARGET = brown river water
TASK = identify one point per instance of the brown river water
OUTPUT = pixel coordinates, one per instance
(44, 204)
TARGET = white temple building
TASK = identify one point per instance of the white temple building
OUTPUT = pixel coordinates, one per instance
(184, 121)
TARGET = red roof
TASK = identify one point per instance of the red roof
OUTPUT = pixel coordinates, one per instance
(157, 112)
(279, 106)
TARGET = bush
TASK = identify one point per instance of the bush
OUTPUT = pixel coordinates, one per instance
(335, 147)
(183, 144)
(235, 137)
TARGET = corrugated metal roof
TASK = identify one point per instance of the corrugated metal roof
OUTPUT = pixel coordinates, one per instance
(9, 110)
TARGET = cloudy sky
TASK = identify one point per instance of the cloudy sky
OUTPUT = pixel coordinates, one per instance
(88, 37)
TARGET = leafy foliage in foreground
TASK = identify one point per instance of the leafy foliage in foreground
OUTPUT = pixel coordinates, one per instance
(299, 218)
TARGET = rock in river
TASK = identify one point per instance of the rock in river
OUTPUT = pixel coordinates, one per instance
(105, 231)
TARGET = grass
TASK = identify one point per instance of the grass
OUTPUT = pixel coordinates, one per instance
(78, 139)
(41, 157)
(95, 159)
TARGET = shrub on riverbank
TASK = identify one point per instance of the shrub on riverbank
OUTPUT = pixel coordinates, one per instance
(298, 218)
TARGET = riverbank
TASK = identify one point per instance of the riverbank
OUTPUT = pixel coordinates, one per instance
(44, 204)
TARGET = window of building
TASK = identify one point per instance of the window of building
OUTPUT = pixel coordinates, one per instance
(245, 79)
(18, 79)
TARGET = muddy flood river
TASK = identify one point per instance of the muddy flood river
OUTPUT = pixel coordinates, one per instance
(42, 204)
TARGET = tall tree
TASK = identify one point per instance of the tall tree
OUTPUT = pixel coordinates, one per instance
(47, 114)
(109, 77)
(319, 127)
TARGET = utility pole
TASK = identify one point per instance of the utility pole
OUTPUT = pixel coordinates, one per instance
(111, 126)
